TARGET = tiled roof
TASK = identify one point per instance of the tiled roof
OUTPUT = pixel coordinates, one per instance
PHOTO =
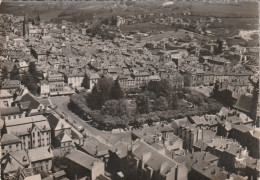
(40, 153)
(25, 120)
(94, 147)
(33, 102)
(82, 159)
(63, 137)
(14, 160)
(24, 125)
(10, 111)
(21, 156)
(196, 156)
(5, 93)
(9, 139)
(242, 128)
(156, 159)
(45, 102)
(244, 103)
(11, 84)
(209, 171)
(33, 177)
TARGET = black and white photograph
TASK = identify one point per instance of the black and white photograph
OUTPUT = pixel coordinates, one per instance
(129, 90)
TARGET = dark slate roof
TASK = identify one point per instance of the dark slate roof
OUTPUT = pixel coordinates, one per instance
(82, 159)
(9, 139)
(244, 103)
(53, 120)
(9, 111)
(156, 159)
(33, 102)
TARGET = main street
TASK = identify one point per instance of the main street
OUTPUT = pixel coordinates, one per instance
(62, 107)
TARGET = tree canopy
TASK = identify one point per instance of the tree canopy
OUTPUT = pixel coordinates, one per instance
(85, 82)
(14, 74)
(115, 107)
(116, 91)
(4, 73)
(143, 104)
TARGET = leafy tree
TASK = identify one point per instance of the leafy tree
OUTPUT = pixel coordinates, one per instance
(116, 91)
(94, 99)
(143, 104)
(115, 107)
(113, 20)
(30, 82)
(195, 98)
(85, 82)
(173, 101)
(14, 74)
(187, 79)
(220, 46)
(161, 104)
(4, 73)
(32, 69)
(160, 88)
(105, 85)
(38, 17)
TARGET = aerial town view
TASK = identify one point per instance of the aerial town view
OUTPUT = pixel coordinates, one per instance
(129, 90)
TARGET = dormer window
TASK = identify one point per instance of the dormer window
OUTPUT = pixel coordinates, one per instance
(24, 158)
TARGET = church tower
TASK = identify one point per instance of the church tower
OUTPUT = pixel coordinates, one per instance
(25, 26)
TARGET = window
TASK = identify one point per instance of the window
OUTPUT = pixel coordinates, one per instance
(33, 134)
(9, 117)
(10, 147)
(3, 147)
(14, 117)
(38, 133)
(20, 116)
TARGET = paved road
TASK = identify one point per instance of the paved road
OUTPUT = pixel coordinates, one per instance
(61, 102)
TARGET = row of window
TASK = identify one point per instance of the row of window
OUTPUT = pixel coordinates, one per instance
(14, 117)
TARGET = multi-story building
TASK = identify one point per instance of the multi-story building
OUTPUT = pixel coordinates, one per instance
(40, 158)
(81, 165)
(33, 106)
(248, 137)
(141, 79)
(11, 85)
(145, 162)
(201, 77)
(231, 155)
(201, 165)
(63, 134)
(93, 79)
(10, 143)
(11, 113)
(6, 98)
(56, 83)
(33, 131)
(123, 81)
(45, 88)
(33, 160)
(75, 79)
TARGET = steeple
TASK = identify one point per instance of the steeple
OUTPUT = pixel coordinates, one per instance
(25, 26)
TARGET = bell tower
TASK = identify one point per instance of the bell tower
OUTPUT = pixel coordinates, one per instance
(25, 26)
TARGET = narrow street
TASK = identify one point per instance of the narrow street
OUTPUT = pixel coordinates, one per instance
(62, 107)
